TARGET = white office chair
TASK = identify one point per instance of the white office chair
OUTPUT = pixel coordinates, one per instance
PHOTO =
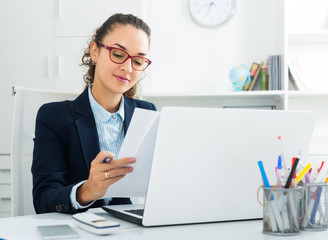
(27, 103)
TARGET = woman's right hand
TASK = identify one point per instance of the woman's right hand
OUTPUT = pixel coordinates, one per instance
(102, 174)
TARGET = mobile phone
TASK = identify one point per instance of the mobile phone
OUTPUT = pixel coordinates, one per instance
(63, 231)
(94, 223)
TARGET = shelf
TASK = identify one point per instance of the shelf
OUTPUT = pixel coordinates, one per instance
(252, 99)
(309, 94)
(306, 37)
(316, 154)
(279, 93)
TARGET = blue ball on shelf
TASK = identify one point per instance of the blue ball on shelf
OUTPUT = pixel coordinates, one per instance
(239, 76)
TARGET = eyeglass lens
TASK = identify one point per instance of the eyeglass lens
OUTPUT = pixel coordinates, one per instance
(119, 56)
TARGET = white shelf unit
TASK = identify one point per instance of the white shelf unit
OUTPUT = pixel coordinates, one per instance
(5, 186)
(307, 42)
(307, 94)
(254, 99)
(309, 37)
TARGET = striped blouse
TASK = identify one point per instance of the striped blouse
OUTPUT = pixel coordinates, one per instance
(109, 126)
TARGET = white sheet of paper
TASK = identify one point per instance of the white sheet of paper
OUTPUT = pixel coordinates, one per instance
(139, 142)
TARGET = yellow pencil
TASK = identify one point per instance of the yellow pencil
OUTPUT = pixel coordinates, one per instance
(304, 171)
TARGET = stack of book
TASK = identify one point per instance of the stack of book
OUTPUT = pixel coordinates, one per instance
(275, 72)
(271, 75)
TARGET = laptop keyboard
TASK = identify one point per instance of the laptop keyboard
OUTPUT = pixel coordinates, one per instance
(139, 212)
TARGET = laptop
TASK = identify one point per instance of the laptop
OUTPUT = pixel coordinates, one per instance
(204, 165)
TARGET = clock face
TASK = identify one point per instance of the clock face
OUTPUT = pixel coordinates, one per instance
(211, 13)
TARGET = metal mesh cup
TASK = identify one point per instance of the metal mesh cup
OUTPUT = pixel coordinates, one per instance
(281, 210)
(314, 215)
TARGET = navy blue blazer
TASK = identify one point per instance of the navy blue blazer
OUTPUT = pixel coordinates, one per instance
(65, 143)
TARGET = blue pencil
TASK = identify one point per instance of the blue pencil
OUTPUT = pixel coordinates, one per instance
(316, 205)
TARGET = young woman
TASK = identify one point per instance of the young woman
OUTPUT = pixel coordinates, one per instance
(77, 142)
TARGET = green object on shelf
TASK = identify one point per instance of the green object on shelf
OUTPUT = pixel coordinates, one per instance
(264, 82)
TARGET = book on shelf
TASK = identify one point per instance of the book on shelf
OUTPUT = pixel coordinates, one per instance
(255, 74)
(264, 76)
(275, 72)
(297, 75)
(292, 85)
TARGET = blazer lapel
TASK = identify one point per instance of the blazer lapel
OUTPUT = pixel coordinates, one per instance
(87, 129)
(86, 125)
(129, 107)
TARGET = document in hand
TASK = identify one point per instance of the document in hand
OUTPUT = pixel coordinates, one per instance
(139, 142)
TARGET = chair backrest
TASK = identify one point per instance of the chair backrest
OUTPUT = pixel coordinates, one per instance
(27, 103)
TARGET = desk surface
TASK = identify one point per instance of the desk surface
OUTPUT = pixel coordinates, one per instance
(25, 228)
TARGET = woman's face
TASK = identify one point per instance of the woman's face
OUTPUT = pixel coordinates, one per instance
(119, 78)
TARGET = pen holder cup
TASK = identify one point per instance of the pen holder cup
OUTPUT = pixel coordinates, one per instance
(281, 210)
(314, 207)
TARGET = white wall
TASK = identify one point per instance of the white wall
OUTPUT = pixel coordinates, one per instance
(309, 15)
(308, 41)
(193, 59)
(24, 46)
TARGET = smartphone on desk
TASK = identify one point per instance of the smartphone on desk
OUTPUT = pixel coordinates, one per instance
(94, 223)
(63, 231)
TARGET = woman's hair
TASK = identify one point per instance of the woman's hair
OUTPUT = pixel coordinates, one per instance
(107, 27)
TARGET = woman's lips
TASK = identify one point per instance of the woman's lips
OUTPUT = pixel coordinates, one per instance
(122, 79)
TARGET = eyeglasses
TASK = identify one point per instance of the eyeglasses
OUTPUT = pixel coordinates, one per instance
(120, 56)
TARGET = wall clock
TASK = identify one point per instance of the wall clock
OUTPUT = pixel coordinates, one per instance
(211, 13)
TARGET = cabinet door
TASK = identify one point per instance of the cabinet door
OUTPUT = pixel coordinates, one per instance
(82, 17)
(26, 52)
(5, 171)
(68, 55)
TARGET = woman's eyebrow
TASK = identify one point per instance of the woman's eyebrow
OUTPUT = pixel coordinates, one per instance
(124, 48)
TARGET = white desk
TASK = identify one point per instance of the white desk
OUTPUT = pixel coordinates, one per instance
(25, 228)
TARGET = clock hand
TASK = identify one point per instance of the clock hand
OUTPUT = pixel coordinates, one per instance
(210, 7)
(209, 4)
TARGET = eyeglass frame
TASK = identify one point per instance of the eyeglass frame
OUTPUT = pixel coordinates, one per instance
(129, 56)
